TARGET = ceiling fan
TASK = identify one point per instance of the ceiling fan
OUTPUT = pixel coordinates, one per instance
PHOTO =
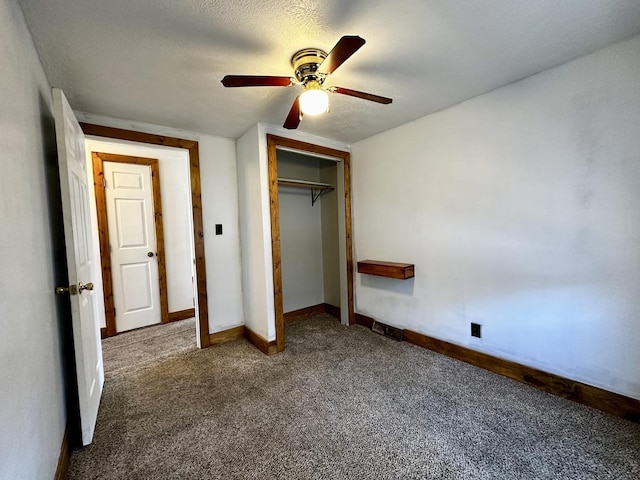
(311, 66)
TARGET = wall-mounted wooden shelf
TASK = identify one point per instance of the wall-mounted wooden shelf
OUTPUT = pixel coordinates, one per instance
(317, 189)
(401, 271)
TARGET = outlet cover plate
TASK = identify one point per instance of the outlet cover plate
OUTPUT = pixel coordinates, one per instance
(476, 330)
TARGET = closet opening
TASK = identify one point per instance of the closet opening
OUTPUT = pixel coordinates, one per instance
(310, 199)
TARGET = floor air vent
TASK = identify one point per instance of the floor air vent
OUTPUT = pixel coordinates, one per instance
(387, 331)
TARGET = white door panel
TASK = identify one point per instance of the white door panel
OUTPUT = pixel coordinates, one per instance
(138, 276)
(80, 262)
(132, 239)
(130, 223)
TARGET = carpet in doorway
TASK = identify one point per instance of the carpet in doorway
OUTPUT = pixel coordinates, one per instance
(132, 350)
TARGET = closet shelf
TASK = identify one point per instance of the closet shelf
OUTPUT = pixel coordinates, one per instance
(400, 271)
(317, 189)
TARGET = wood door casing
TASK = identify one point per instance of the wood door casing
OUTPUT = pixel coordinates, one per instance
(196, 205)
(273, 142)
(103, 232)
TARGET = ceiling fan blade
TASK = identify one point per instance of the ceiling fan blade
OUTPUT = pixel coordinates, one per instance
(366, 96)
(346, 46)
(255, 81)
(295, 115)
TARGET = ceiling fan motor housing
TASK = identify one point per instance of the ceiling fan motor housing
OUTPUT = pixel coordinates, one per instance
(305, 64)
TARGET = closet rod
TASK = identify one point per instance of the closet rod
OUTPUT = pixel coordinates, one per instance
(317, 189)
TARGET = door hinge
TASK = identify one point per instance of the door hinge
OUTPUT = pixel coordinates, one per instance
(104, 182)
(71, 290)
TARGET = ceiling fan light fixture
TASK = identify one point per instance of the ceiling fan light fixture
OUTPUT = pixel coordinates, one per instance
(311, 67)
(314, 100)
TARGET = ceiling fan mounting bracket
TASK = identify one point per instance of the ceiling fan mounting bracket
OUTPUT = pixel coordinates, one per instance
(305, 64)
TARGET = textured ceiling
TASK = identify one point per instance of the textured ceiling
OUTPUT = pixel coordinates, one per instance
(161, 61)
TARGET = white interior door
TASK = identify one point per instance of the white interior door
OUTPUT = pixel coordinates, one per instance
(132, 240)
(80, 262)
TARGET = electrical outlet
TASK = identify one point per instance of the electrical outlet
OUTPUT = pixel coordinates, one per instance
(475, 330)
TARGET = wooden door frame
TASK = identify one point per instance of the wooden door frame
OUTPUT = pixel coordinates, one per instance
(103, 233)
(196, 204)
(273, 142)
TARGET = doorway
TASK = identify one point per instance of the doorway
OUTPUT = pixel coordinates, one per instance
(131, 237)
(195, 219)
(343, 189)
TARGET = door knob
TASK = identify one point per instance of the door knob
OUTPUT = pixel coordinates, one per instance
(150, 254)
(85, 286)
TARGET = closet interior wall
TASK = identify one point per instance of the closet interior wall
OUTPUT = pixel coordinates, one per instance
(308, 233)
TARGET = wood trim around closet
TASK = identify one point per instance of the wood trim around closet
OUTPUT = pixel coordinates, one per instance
(103, 232)
(196, 204)
(273, 142)
(349, 236)
(274, 209)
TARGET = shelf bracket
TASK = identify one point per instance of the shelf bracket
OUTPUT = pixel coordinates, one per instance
(316, 196)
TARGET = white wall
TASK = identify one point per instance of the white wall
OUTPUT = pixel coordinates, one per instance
(177, 218)
(257, 279)
(32, 409)
(219, 205)
(519, 209)
(300, 234)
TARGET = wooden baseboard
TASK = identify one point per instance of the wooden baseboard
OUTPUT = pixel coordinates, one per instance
(303, 313)
(173, 317)
(64, 457)
(182, 315)
(595, 397)
(363, 320)
(261, 343)
(332, 310)
(218, 338)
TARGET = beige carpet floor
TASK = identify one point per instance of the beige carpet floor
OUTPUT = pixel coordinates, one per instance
(132, 350)
(341, 403)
